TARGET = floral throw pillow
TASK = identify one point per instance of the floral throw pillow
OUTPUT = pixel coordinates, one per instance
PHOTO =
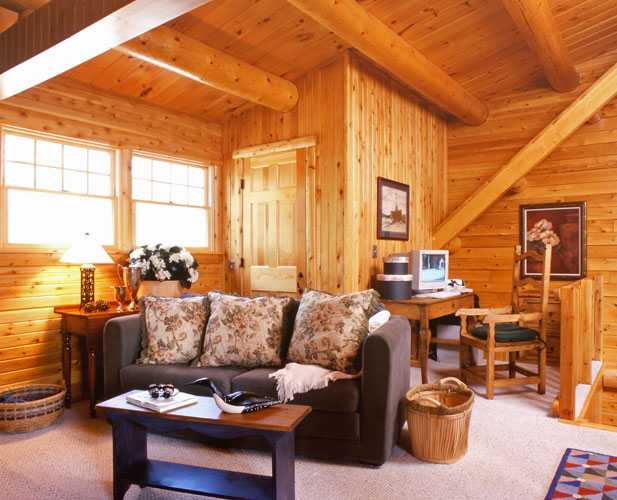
(244, 332)
(329, 330)
(174, 329)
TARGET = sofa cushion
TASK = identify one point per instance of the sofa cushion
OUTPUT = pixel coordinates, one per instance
(329, 330)
(342, 396)
(244, 332)
(172, 329)
(141, 376)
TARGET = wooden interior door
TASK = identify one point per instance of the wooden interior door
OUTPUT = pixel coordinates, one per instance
(274, 238)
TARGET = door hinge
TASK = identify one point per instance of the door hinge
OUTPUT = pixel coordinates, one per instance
(241, 183)
(241, 261)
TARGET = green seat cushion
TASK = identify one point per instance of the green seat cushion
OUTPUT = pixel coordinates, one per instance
(506, 332)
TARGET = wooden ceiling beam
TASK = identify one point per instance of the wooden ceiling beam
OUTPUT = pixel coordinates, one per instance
(7, 18)
(171, 49)
(543, 144)
(538, 27)
(361, 29)
(64, 33)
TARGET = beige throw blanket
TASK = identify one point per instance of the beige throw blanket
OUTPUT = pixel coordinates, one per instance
(295, 378)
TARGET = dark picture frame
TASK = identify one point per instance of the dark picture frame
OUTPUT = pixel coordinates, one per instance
(392, 210)
(563, 225)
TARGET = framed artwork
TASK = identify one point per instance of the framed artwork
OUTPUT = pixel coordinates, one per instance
(392, 210)
(564, 226)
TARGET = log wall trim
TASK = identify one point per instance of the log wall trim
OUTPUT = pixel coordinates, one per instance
(594, 98)
(274, 147)
(64, 33)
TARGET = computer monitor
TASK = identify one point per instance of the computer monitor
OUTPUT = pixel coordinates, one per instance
(429, 269)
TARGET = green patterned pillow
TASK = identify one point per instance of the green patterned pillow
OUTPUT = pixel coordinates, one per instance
(173, 328)
(244, 332)
(329, 330)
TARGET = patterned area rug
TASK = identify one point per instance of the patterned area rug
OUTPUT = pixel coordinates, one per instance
(585, 475)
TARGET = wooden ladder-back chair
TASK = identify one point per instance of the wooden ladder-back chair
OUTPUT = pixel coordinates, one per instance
(510, 329)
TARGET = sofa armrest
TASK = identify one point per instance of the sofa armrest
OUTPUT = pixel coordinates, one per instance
(385, 382)
(121, 347)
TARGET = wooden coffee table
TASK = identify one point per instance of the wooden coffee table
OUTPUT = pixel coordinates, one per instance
(130, 425)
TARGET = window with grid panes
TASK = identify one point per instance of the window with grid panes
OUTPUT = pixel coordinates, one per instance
(55, 189)
(171, 201)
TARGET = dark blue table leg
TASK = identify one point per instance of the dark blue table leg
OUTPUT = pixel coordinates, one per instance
(283, 469)
(130, 449)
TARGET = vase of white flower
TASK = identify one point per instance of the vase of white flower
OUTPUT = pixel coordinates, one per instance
(165, 269)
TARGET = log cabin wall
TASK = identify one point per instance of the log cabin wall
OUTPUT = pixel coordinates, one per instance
(33, 282)
(581, 169)
(366, 126)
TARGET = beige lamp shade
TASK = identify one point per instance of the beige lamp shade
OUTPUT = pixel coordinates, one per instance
(86, 250)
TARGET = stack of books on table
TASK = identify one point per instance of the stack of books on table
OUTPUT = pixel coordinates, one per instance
(143, 399)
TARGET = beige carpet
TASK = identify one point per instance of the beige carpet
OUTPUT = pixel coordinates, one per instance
(515, 448)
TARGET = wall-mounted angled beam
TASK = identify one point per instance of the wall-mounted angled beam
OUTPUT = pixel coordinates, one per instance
(534, 20)
(170, 49)
(64, 33)
(361, 29)
(543, 144)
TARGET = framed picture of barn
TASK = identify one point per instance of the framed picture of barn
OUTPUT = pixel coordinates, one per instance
(392, 210)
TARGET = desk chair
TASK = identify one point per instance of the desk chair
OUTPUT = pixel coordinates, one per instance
(510, 329)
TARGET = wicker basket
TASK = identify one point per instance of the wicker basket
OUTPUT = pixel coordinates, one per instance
(45, 410)
(438, 418)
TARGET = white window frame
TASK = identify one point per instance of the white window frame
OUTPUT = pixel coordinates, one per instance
(4, 188)
(209, 175)
(121, 195)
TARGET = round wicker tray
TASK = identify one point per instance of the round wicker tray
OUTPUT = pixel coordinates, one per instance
(46, 407)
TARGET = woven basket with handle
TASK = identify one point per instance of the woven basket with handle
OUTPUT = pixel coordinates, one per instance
(438, 417)
(44, 405)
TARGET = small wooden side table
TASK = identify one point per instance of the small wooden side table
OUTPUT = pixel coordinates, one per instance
(89, 325)
(423, 309)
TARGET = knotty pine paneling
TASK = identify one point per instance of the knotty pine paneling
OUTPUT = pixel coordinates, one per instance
(394, 135)
(366, 126)
(32, 283)
(581, 169)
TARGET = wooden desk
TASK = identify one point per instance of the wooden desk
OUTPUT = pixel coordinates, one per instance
(423, 309)
(89, 325)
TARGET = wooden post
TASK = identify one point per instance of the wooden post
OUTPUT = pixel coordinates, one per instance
(586, 320)
(567, 380)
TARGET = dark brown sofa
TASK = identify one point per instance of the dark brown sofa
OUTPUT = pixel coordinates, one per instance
(358, 419)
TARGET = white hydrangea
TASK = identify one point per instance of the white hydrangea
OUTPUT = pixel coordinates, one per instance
(157, 262)
(138, 253)
(162, 275)
(193, 275)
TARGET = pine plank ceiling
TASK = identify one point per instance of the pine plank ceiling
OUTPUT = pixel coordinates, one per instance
(474, 41)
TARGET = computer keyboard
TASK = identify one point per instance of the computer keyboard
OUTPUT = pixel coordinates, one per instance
(442, 294)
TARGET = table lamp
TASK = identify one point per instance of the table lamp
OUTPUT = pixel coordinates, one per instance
(87, 252)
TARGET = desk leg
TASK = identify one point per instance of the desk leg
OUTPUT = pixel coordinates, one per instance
(92, 381)
(283, 458)
(425, 340)
(66, 367)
